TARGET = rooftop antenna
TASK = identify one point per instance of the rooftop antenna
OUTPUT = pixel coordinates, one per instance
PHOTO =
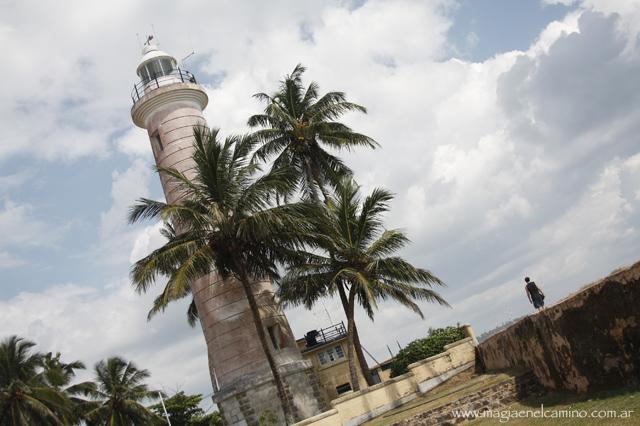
(139, 42)
(327, 312)
(187, 57)
(193, 52)
(153, 31)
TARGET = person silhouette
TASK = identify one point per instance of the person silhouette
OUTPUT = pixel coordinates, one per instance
(535, 295)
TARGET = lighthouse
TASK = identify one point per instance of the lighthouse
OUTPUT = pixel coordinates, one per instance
(168, 102)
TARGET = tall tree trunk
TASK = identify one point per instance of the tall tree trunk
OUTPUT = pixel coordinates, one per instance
(257, 320)
(308, 171)
(355, 382)
(362, 361)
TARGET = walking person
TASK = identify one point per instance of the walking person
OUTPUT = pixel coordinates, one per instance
(535, 295)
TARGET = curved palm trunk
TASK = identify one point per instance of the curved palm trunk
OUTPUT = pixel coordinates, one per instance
(355, 383)
(257, 320)
(362, 361)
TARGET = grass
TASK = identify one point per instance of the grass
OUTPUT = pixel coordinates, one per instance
(620, 400)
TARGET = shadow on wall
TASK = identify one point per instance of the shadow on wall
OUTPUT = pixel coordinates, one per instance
(588, 341)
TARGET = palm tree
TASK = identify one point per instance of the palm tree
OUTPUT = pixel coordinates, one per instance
(297, 128)
(59, 375)
(228, 223)
(25, 398)
(118, 395)
(359, 260)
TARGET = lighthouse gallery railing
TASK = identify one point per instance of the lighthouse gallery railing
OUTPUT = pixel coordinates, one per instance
(146, 86)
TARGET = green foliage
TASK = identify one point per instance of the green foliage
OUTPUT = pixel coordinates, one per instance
(181, 408)
(211, 419)
(420, 349)
(229, 221)
(268, 418)
(299, 129)
(184, 410)
(357, 252)
(25, 396)
(118, 395)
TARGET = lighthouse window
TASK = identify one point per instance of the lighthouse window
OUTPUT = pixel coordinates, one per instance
(156, 143)
(158, 68)
(144, 74)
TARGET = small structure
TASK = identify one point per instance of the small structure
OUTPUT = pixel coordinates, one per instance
(327, 350)
(382, 372)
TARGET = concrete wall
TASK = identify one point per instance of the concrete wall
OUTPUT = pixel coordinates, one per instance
(355, 408)
(588, 341)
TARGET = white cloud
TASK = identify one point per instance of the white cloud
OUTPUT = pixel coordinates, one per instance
(563, 2)
(90, 324)
(134, 142)
(22, 229)
(116, 235)
(16, 180)
(8, 260)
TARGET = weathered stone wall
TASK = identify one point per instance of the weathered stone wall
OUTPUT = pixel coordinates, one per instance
(492, 398)
(588, 341)
(244, 402)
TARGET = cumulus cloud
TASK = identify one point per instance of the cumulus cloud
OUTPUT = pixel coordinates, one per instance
(116, 235)
(92, 324)
(22, 230)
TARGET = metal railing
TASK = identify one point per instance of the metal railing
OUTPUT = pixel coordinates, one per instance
(324, 335)
(175, 76)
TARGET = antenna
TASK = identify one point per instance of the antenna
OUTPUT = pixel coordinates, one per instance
(187, 57)
(153, 31)
(139, 42)
(193, 51)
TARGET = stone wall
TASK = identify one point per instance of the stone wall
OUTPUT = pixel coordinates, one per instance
(244, 402)
(588, 341)
(492, 398)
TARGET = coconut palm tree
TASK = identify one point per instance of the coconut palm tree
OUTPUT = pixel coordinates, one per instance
(25, 398)
(359, 260)
(118, 395)
(298, 127)
(228, 223)
(59, 375)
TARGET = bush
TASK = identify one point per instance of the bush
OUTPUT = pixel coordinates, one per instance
(420, 349)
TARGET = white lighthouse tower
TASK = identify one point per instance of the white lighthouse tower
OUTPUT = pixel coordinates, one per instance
(168, 103)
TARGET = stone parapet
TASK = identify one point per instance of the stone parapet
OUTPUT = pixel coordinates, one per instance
(588, 341)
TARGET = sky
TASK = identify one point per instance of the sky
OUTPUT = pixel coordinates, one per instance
(508, 133)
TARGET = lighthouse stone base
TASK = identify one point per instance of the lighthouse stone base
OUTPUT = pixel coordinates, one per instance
(243, 402)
